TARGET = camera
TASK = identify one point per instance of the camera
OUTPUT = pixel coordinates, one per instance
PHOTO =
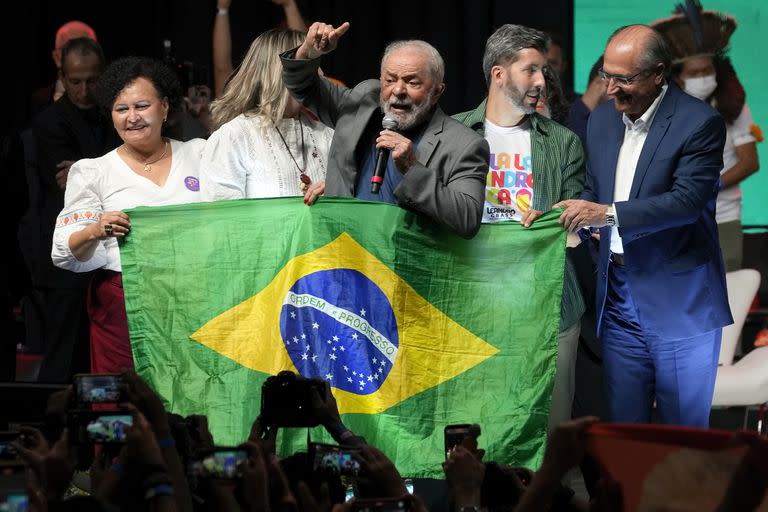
(330, 459)
(222, 462)
(286, 400)
(99, 388)
(99, 427)
(403, 504)
(455, 434)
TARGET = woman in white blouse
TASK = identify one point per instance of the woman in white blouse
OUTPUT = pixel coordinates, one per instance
(147, 170)
(264, 143)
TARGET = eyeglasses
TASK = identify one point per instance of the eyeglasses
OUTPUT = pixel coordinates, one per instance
(619, 79)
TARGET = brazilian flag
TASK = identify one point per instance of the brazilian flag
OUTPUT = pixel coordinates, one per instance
(414, 328)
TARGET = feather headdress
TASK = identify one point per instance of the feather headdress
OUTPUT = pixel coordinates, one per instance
(694, 32)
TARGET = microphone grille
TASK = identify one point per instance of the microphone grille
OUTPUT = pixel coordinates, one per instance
(389, 123)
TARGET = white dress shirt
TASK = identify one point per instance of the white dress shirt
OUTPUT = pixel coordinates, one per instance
(635, 133)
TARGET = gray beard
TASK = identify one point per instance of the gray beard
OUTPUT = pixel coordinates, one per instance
(416, 116)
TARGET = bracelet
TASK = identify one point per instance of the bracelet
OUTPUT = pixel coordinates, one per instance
(222, 11)
(159, 490)
(166, 442)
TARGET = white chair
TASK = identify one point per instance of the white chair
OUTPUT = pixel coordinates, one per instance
(744, 383)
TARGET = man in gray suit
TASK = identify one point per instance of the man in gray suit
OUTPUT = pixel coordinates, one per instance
(437, 166)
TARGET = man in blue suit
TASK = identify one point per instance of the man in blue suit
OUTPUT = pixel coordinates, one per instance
(654, 158)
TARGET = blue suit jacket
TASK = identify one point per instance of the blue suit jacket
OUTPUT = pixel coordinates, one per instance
(668, 229)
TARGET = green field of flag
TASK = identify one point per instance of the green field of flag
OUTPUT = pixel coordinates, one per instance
(414, 328)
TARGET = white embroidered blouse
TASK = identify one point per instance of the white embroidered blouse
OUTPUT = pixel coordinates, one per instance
(96, 185)
(245, 159)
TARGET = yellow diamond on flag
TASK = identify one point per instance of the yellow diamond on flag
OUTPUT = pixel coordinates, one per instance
(339, 314)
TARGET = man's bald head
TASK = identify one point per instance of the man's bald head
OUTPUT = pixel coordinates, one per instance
(646, 43)
(635, 64)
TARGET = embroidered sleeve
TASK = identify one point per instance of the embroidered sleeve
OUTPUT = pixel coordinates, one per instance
(82, 206)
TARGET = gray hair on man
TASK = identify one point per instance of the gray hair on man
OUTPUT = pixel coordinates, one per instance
(434, 60)
(508, 40)
(655, 49)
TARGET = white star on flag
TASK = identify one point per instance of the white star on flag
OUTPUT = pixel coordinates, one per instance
(375, 360)
(342, 348)
(329, 376)
(362, 312)
(349, 379)
(315, 325)
(376, 376)
(362, 383)
(333, 357)
(293, 315)
(370, 378)
(304, 356)
(335, 338)
(295, 339)
(354, 336)
(303, 336)
(346, 368)
(314, 357)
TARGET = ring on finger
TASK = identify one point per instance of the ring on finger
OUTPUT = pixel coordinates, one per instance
(108, 229)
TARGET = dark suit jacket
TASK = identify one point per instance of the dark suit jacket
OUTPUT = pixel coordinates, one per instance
(446, 184)
(671, 248)
(63, 132)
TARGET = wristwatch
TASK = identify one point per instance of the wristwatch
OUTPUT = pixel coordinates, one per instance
(610, 216)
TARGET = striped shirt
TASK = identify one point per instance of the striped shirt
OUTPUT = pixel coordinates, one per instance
(558, 174)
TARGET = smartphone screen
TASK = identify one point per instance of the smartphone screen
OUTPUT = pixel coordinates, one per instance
(98, 388)
(8, 454)
(222, 463)
(14, 501)
(108, 428)
(334, 460)
(454, 434)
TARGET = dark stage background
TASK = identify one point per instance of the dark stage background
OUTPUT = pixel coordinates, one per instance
(458, 28)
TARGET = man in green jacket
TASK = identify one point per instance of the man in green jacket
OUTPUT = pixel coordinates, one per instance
(534, 163)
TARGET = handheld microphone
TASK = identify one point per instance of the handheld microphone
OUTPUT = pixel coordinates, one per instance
(382, 156)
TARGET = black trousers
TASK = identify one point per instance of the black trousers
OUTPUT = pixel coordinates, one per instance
(65, 330)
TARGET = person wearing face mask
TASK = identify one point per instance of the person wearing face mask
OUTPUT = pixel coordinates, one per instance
(703, 71)
(148, 169)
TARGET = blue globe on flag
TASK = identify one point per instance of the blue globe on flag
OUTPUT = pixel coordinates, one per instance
(337, 325)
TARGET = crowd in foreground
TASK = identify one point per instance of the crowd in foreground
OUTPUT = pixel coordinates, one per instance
(158, 461)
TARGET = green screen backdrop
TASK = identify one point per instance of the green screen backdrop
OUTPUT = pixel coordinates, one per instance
(595, 20)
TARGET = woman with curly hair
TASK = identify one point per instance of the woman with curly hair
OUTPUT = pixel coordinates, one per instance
(146, 170)
(265, 144)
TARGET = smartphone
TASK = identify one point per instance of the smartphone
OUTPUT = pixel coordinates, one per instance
(222, 462)
(97, 427)
(93, 388)
(455, 434)
(14, 500)
(331, 459)
(9, 457)
(286, 400)
(403, 504)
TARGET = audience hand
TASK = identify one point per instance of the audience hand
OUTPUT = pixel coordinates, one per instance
(379, 477)
(52, 469)
(566, 447)
(147, 402)
(464, 472)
